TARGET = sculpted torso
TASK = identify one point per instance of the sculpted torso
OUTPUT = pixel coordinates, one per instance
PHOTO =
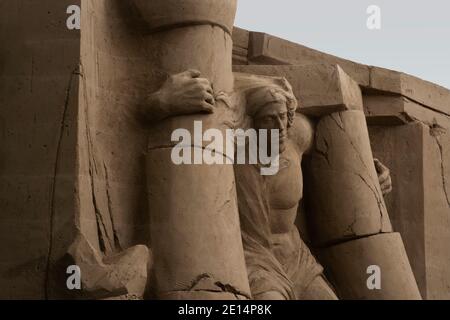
(286, 190)
(286, 187)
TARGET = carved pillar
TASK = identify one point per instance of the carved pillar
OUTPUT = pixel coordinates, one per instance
(195, 231)
(347, 215)
(345, 193)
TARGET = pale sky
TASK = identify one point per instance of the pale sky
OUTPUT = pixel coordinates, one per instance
(414, 36)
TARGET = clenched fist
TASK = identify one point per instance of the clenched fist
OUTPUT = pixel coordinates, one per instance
(183, 93)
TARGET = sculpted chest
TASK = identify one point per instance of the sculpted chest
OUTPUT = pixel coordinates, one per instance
(286, 187)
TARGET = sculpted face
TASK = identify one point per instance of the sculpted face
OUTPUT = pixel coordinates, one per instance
(273, 115)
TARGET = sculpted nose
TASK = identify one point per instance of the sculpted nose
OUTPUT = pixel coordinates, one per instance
(280, 124)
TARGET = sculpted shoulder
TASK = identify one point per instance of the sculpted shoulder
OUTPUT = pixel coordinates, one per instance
(302, 133)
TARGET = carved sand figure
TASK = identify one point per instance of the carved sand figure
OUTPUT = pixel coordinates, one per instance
(279, 263)
(91, 197)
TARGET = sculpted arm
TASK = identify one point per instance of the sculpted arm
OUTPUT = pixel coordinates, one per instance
(302, 133)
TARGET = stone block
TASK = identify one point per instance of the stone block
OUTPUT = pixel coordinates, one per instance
(321, 89)
(429, 94)
(396, 110)
(267, 49)
(418, 158)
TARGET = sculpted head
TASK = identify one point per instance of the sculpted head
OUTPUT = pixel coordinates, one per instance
(272, 105)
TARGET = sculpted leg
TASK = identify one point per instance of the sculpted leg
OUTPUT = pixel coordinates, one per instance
(270, 295)
(319, 289)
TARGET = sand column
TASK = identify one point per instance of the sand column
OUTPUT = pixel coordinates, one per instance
(349, 221)
(195, 233)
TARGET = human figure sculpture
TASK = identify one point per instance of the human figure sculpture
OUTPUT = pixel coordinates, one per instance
(279, 264)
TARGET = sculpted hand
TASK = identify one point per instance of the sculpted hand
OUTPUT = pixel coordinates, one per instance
(183, 93)
(384, 176)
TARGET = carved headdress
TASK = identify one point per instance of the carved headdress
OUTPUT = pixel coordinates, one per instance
(258, 91)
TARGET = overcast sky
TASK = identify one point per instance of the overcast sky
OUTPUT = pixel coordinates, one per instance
(414, 35)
